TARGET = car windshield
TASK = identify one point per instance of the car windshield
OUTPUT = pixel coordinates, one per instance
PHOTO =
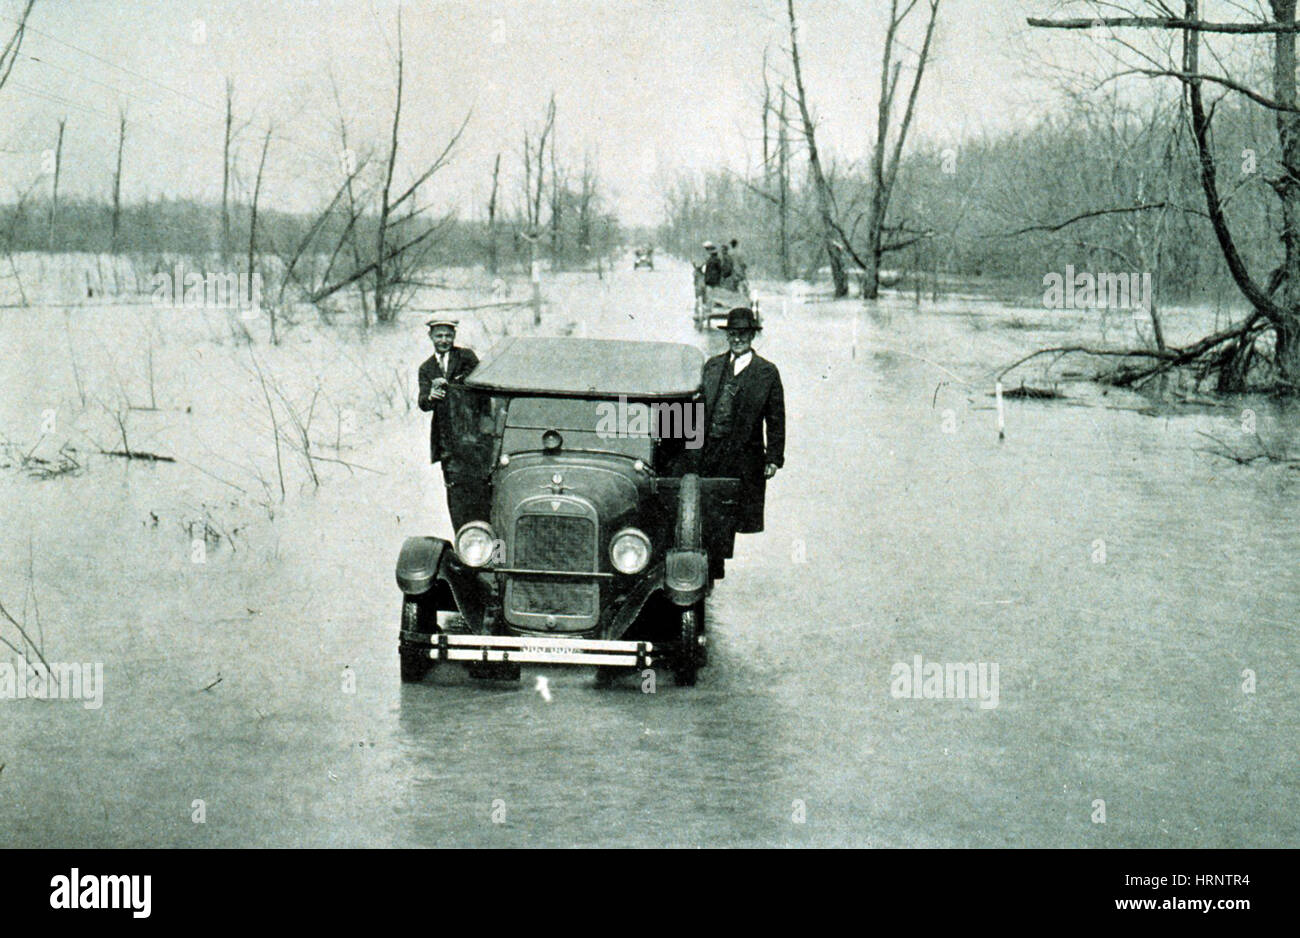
(662, 433)
(601, 426)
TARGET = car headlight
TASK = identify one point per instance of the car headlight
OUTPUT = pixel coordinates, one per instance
(629, 551)
(475, 544)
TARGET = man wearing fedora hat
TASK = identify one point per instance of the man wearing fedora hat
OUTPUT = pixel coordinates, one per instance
(744, 412)
(449, 364)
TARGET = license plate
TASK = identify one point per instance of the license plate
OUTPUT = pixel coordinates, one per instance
(554, 649)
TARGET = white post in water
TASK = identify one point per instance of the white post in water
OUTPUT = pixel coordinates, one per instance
(853, 349)
(997, 391)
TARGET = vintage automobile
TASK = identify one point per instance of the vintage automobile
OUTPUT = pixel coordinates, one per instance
(597, 543)
(645, 257)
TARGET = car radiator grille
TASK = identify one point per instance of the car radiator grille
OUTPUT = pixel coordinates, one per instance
(551, 542)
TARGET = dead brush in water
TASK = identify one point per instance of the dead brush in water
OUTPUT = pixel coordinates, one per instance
(63, 463)
(1264, 452)
(1027, 393)
(1018, 322)
(27, 644)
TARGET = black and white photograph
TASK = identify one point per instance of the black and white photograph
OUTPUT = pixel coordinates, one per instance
(521, 424)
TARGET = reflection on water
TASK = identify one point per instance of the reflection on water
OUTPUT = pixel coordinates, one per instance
(1122, 581)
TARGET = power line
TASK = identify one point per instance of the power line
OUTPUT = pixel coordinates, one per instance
(308, 149)
(111, 64)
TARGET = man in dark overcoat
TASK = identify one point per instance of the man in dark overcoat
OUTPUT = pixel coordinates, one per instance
(449, 364)
(744, 414)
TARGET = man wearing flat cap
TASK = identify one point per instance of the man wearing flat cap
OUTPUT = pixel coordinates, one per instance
(712, 265)
(744, 413)
(449, 364)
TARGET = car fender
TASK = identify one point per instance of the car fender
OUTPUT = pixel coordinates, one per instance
(650, 581)
(428, 566)
(686, 575)
(418, 563)
(686, 564)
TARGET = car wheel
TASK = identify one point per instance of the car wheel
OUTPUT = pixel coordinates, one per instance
(416, 617)
(688, 654)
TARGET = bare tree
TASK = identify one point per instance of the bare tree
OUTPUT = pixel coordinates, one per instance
(492, 217)
(1121, 202)
(884, 166)
(783, 185)
(557, 207)
(588, 203)
(9, 54)
(252, 223)
(1276, 303)
(54, 190)
(534, 179)
(225, 170)
(117, 180)
(535, 170)
(351, 167)
(776, 165)
(385, 204)
(227, 139)
(393, 273)
(825, 205)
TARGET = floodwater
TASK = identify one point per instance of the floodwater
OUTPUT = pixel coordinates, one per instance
(1127, 587)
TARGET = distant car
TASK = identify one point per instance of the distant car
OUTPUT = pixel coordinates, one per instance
(596, 542)
(645, 257)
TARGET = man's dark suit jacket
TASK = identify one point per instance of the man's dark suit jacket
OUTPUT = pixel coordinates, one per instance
(460, 362)
(742, 454)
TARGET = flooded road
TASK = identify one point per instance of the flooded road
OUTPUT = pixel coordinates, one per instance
(1125, 586)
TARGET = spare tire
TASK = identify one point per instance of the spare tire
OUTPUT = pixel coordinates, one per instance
(689, 523)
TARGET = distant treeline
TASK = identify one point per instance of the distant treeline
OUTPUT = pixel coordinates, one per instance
(1101, 186)
(179, 226)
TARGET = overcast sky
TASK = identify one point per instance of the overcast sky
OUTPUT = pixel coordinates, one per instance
(646, 86)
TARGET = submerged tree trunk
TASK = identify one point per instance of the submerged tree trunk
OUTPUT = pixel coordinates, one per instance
(225, 172)
(382, 311)
(1288, 192)
(820, 185)
(884, 167)
(117, 181)
(252, 225)
(783, 187)
(1277, 305)
(492, 218)
(54, 193)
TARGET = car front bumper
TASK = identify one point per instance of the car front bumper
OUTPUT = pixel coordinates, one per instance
(531, 649)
